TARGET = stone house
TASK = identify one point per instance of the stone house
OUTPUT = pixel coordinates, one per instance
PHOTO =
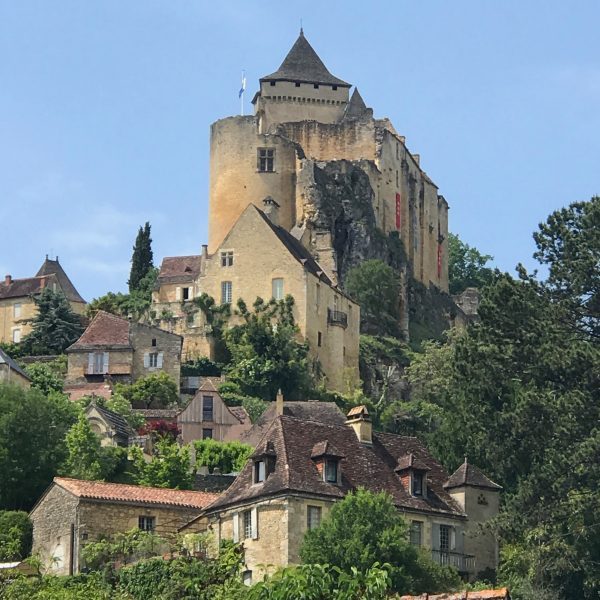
(11, 372)
(17, 307)
(73, 512)
(301, 467)
(109, 426)
(258, 258)
(123, 351)
(207, 416)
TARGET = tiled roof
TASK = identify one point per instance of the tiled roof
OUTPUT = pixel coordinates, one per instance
(79, 390)
(6, 359)
(49, 273)
(410, 461)
(500, 594)
(105, 329)
(303, 64)
(371, 467)
(115, 420)
(296, 249)
(157, 413)
(321, 412)
(240, 413)
(178, 269)
(467, 474)
(136, 494)
(356, 107)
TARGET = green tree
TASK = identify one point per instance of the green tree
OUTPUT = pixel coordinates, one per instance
(157, 390)
(228, 457)
(568, 242)
(466, 266)
(232, 396)
(169, 468)
(55, 327)
(32, 430)
(16, 534)
(376, 287)
(48, 376)
(266, 354)
(378, 535)
(141, 259)
(84, 458)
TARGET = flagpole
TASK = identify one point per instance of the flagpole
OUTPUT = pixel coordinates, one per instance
(243, 91)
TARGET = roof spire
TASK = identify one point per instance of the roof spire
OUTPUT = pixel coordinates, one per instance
(301, 28)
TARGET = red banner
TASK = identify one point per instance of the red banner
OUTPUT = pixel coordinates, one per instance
(398, 212)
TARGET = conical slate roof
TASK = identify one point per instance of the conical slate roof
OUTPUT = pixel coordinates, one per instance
(467, 474)
(356, 107)
(303, 64)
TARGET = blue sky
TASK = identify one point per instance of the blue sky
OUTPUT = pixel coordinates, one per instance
(105, 108)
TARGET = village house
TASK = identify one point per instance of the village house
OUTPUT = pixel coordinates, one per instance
(258, 258)
(301, 467)
(109, 426)
(17, 306)
(73, 512)
(207, 416)
(11, 372)
(122, 351)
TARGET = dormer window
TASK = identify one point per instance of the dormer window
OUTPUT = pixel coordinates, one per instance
(264, 462)
(260, 471)
(413, 474)
(417, 483)
(331, 471)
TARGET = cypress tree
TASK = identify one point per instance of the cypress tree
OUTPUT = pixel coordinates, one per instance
(142, 258)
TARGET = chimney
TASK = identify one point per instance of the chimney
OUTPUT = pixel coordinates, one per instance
(359, 420)
(205, 251)
(271, 209)
(417, 158)
(42, 283)
(279, 404)
(8, 279)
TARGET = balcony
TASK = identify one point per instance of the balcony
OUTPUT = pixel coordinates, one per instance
(464, 563)
(337, 317)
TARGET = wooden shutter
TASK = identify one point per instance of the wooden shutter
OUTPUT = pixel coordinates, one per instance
(159, 360)
(459, 540)
(105, 363)
(146, 360)
(254, 521)
(435, 536)
(91, 363)
(236, 527)
(452, 538)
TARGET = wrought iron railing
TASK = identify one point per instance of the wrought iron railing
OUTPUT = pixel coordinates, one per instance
(337, 317)
(462, 562)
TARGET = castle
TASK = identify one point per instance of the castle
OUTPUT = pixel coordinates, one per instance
(302, 191)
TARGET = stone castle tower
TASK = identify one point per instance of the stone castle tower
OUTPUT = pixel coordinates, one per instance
(342, 182)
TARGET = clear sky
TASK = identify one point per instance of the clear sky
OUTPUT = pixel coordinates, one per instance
(105, 108)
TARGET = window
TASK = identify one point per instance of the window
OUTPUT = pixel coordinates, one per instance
(98, 364)
(297, 84)
(147, 523)
(154, 342)
(266, 158)
(445, 538)
(17, 310)
(416, 533)
(207, 408)
(225, 292)
(247, 578)
(185, 293)
(153, 360)
(272, 83)
(318, 295)
(331, 471)
(207, 434)
(313, 517)
(16, 336)
(417, 484)
(260, 472)
(316, 86)
(227, 258)
(247, 516)
(397, 180)
(334, 87)
(319, 338)
(277, 287)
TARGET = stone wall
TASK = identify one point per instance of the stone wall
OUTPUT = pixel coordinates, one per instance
(52, 519)
(8, 375)
(120, 365)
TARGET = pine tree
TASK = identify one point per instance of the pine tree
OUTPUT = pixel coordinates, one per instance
(142, 258)
(55, 327)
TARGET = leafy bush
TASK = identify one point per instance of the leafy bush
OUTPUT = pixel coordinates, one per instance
(16, 532)
(201, 366)
(157, 390)
(228, 457)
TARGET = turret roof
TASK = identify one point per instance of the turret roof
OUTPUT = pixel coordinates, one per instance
(303, 64)
(467, 474)
(356, 107)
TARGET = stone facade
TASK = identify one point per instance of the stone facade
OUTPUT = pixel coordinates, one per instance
(17, 307)
(123, 351)
(11, 372)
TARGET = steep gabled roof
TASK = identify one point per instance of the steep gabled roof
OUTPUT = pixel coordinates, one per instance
(53, 267)
(119, 425)
(372, 467)
(179, 269)
(135, 494)
(303, 64)
(106, 330)
(7, 360)
(467, 474)
(356, 107)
